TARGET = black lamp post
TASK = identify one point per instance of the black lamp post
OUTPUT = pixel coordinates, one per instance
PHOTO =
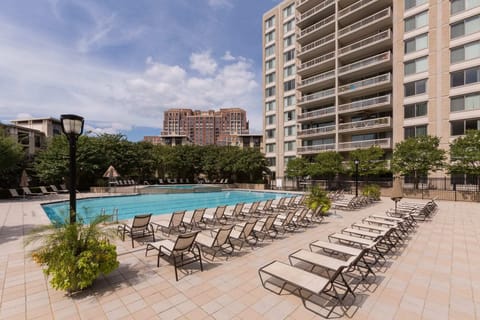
(72, 126)
(356, 161)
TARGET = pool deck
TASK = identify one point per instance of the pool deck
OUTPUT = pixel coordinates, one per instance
(435, 276)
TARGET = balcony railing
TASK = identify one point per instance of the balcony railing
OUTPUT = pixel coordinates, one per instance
(317, 43)
(365, 62)
(316, 26)
(383, 78)
(316, 113)
(316, 61)
(365, 104)
(354, 6)
(360, 24)
(316, 131)
(317, 95)
(314, 10)
(365, 42)
(317, 78)
(366, 124)
(316, 148)
(382, 143)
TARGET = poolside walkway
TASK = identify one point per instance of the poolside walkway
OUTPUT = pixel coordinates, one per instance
(436, 276)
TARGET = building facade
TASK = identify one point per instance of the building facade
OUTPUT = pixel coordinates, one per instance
(369, 72)
(49, 126)
(204, 127)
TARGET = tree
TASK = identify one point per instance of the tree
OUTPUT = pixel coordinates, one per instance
(297, 168)
(326, 165)
(11, 156)
(370, 161)
(465, 154)
(417, 156)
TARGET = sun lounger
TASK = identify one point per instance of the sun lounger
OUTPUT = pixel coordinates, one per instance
(243, 233)
(45, 191)
(54, 188)
(182, 250)
(265, 228)
(236, 213)
(27, 192)
(217, 217)
(280, 275)
(14, 194)
(174, 224)
(285, 223)
(140, 228)
(251, 211)
(217, 241)
(196, 220)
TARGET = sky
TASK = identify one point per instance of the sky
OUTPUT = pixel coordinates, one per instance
(121, 63)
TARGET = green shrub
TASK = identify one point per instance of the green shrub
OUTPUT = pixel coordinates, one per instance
(316, 198)
(74, 255)
(371, 191)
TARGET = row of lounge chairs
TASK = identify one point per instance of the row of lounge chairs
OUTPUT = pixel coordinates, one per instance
(352, 203)
(125, 182)
(223, 231)
(174, 181)
(26, 192)
(326, 274)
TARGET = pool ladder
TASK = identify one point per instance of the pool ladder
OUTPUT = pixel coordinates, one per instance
(114, 215)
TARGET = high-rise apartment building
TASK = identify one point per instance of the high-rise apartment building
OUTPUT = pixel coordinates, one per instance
(205, 127)
(368, 72)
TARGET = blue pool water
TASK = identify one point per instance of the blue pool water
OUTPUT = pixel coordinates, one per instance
(129, 206)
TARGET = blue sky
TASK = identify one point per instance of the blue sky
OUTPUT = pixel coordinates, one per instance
(121, 63)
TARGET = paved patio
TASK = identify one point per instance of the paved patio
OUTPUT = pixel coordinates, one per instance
(436, 276)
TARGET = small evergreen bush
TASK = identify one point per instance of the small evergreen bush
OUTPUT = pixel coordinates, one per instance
(318, 197)
(372, 191)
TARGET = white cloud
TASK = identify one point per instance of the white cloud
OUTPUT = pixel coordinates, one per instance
(228, 56)
(220, 3)
(203, 63)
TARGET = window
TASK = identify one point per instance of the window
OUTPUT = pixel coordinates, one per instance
(458, 128)
(465, 102)
(416, 66)
(269, 78)
(465, 52)
(289, 115)
(462, 5)
(287, 159)
(465, 27)
(289, 26)
(270, 147)
(290, 131)
(417, 43)
(415, 87)
(415, 131)
(289, 71)
(413, 3)
(270, 134)
(289, 55)
(289, 41)
(270, 50)
(270, 36)
(288, 11)
(289, 85)
(463, 77)
(415, 110)
(270, 92)
(270, 106)
(270, 22)
(289, 101)
(270, 120)
(271, 162)
(270, 64)
(289, 146)
(417, 21)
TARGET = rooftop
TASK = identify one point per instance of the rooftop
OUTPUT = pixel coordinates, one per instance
(434, 276)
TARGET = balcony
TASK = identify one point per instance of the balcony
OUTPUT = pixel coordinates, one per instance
(318, 82)
(314, 132)
(385, 143)
(317, 47)
(322, 63)
(367, 86)
(314, 98)
(356, 10)
(316, 149)
(359, 29)
(316, 31)
(367, 46)
(373, 103)
(370, 124)
(317, 114)
(374, 65)
(321, 9)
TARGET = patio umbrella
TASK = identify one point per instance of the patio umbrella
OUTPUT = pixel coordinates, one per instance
(112, 174)
(24, 179)
(397, 191)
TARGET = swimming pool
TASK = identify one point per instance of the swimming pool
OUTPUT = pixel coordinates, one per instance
(129, 206)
